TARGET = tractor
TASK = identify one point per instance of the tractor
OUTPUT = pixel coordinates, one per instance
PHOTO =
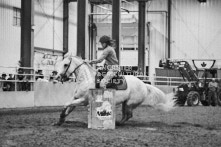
(196, 89)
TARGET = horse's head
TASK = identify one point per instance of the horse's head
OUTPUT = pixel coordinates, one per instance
(68, 66)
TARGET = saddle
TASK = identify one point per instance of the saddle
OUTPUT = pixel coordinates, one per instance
(118, 82)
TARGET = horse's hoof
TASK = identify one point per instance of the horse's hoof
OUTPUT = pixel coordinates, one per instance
(57, 124)
(119, 124)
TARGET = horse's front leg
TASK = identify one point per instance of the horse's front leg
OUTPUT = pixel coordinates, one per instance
(68, 109)
(64, 113)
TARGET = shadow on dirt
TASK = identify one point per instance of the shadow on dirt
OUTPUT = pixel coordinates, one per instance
(159, 124)
(28, 111)
(129, 124)
(74, 124)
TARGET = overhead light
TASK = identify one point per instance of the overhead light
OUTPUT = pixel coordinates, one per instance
(202, 1)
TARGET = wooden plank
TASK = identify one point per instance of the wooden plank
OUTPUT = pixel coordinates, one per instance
(101, 109)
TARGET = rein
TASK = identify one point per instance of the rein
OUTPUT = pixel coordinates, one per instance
(78, 67)
(74, 69)
(64, 75)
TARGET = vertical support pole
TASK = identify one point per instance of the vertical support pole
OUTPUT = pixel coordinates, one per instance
(82, 28)
(65, 25)
(116, 25)
(91, 27)
(141, 36)
(27, 33)
(27, 37)
(169, 27)
(94, 41)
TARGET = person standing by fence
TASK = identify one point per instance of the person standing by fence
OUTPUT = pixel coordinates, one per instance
(11, 82)
(213, 87)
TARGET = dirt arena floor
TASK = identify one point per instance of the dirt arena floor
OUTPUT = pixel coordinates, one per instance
(185, 126)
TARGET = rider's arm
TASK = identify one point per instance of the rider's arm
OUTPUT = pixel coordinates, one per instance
(101, 58)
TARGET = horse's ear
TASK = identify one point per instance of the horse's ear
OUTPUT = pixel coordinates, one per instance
(68, 55)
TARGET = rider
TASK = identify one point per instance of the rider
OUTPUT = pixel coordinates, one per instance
(111, 61)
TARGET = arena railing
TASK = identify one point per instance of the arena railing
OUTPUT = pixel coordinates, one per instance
(161, 80)
(21, 81)
(30, 76)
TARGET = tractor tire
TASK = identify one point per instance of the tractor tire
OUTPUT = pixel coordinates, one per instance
(180, 101)
(219, 98)
(193, 98)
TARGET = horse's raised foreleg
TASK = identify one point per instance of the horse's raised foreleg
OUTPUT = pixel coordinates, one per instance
(64, 113)
(68, 109)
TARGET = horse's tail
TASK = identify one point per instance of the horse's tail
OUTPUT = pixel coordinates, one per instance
(158, 99)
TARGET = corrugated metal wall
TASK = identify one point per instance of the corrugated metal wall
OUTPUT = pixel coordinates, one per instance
(49, 24)
(9, 34)
(48, 29)
(72, 44)
(158, 42)
(196, 31)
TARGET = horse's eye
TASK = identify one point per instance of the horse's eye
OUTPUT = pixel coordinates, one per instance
(65, 65)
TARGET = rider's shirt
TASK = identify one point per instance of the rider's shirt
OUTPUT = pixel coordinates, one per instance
(109, 55)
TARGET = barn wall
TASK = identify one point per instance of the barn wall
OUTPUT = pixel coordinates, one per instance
(48, 22)
(48, 30)
(196, 29)
(9, 35)
(73, 27)
(44, 94)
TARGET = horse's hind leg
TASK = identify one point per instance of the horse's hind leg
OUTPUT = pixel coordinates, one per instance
(64, 113)
(127, 113)
(123, 114)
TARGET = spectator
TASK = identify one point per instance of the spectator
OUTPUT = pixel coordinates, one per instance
(20, 78)
(213, 87)
(6, 85)
(1, 84)
(54, 73)
(12, 84)
(27, 84)
(39, 75)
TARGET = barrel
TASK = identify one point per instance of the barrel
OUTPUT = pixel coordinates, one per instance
(101, 113)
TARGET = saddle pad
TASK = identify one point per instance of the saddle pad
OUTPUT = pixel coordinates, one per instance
(118, 83)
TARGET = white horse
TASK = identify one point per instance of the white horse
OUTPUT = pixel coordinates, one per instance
(136, 92)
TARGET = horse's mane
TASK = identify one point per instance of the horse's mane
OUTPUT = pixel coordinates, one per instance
(92, 70)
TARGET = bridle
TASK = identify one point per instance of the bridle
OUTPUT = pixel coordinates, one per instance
(63, 75)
